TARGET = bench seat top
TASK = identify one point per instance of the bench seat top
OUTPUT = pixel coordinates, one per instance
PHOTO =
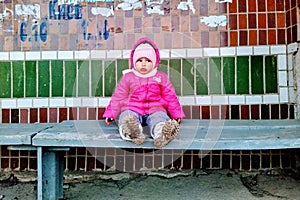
(20, 134)
(193, 135)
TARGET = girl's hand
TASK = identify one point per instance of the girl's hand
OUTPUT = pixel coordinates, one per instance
(178, 120)
(108, 120)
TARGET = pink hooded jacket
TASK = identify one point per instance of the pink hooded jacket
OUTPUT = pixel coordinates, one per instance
(144, 95)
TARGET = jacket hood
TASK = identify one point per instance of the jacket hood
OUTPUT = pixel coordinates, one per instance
(141, 41)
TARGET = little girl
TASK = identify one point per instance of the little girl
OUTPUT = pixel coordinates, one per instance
(145, 96)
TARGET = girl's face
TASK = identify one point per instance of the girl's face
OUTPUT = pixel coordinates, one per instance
(143, 65)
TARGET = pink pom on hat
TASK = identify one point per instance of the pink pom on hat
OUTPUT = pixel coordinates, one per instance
(144, 50)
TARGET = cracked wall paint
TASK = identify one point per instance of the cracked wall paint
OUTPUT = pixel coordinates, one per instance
(154, 7)
(106, 12)
(186, 5)
(25, 10)
(223, 1)
(129, 5)
(214, 21)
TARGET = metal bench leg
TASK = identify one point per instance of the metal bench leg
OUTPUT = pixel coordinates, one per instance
(50, 174)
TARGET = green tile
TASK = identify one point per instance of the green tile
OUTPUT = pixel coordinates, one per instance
(242, 75)
(70, 78)
(122, 64)
(30, 70)
(57, 78)
(83, 78)
(175, 74)
(43, 78)
(257, 75)
(97, 78)
(188, 76)
(163, 66)
(5, 80)
(229, 75)
(271, 74)
(109, 77)
(215, 75)
(18, 79)
(202, 76)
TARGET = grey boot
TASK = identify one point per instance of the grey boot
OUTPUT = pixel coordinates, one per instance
(169, 131)
(132, 129)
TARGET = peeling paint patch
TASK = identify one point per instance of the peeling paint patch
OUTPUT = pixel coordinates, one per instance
(93, 1)
(129, 5)
(214, 21)
(186, 5)
(33, 10)
(223, 1)
(6, 13)
(106, 12)
(154, 7)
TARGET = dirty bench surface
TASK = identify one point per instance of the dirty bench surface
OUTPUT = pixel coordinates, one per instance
(20, 134)
(194, 134)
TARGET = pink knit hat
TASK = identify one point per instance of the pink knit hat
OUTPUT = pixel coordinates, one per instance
(145, 47)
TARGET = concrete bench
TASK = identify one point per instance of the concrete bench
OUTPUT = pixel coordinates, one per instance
(194, 135)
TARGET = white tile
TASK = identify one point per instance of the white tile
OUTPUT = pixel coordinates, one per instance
(49, 55)
(69, 55)
(292, 96)
(228, 51)
(82, 55)
(24, 103)
(33, 55)
(164, 53)
(284, 98)
(292, 47)
(37, 103)
(89, 102)
(17, 55)
(126, 54)
(244, 51)
(9, 103)
(269, 99)
(211, 52)
(98, 54)
(57, 102)
(236, 99)
(219, 100)
(278, 49)
(114, 54)
(103, 102)
(4, 56)
(290, 62)
(281, 62)
(203, 100)
(194, 53)
(254, 99)
(187, 100)
(73, 102)
(282, 78)
(291, 78)
(178, 53)
(261, 50)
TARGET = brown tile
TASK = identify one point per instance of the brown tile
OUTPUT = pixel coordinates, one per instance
(195, 112)
(184, 23)
(224, 39)
(214, 39)
(252, 21)
(213, 8)
(272, 37)
(205, 111)
(242, 5)
(280, 5)
(33, 115)
(245, 112)
(287, 4)
(294, 16)
(233, 22)
(225, 112)
(5, 116)
(255, 112)
(92, 113)
(72, 113)
(63, 114)
(262, 37)
(187, 112)
(215, 112)
(233, 38)
(262, 21)
(281, 36)
(271, 20)
(280, 20)
(53, 115)
(262, 6)
(100, 113)
(288, 19)
(243, 40)
(253, 37)
(242, 21)
(284, 112)
(233, 6)
(275, 111)
(271, 5)
(235, 112)
(82, 113)
(24, 115)
(43, 115)
(252, 6)
(265, 111)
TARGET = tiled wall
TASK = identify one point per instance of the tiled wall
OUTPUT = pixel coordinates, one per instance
(241, 66)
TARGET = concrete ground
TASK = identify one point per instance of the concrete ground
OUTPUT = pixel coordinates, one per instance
(196, 184)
